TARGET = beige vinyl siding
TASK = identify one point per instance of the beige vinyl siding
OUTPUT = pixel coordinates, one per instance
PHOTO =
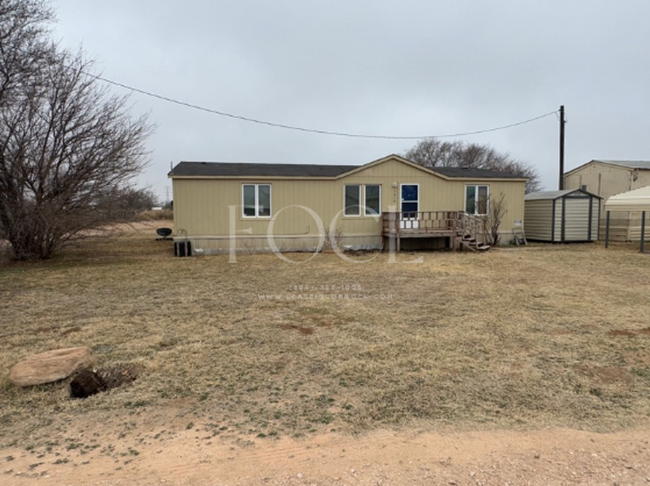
(601, 179)
(202, 208)
(201, 205)
(605, 180)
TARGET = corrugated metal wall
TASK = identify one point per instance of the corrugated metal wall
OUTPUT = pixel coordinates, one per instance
(576, 219)
(565, 219)
(538, 220)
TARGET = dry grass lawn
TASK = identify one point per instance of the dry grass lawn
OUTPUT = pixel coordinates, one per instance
(553, 336)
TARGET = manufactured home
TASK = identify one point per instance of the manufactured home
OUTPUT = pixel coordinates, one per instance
(562, 216)
(221, 207)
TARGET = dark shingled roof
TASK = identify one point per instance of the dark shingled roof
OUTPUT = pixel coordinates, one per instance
(230, 169)
(473, 173)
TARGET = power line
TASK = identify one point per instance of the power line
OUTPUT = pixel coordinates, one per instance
(309, 130)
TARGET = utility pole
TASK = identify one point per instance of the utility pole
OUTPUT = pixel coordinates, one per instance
(562, 123)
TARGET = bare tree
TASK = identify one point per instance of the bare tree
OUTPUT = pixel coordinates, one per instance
(66, 145)
(24, 45)
(432, 152)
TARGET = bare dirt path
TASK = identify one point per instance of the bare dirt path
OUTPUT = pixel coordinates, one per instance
(544, 457)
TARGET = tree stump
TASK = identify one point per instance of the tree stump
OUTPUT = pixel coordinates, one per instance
(86, 383)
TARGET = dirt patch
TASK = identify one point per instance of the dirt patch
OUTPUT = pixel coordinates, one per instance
(629, 332)
(70, 330)
(386, 458)
(560, 332)
(608, 375)
(301, 329)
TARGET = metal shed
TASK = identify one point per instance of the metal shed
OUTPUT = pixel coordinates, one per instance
(565, 216)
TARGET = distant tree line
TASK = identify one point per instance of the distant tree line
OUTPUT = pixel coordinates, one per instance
(433, 152)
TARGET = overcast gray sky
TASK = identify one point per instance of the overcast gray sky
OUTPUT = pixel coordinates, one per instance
(380, 67)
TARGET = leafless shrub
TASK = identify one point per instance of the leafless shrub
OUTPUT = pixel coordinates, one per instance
(333, 239)
(496, 212)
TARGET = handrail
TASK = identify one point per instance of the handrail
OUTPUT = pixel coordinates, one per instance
(421, 221)
(475, 226)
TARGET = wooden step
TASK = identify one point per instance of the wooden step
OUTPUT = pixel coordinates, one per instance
(467, 245)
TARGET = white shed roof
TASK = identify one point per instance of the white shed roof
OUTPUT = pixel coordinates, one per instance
(636, 200)
(533, 196)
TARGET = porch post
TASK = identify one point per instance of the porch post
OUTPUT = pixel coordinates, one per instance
(391, 234)
(607, 231)
(642, 230)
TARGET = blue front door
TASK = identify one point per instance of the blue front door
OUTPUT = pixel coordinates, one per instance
(410, 201)
(410, 205)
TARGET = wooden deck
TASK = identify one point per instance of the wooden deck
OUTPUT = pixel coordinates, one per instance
(461, 229)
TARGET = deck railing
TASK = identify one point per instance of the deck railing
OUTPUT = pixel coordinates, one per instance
(475, 226)
(435, 223)
(420, 222)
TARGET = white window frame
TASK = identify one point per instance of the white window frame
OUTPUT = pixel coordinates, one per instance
(257, 201)
(476, 200)
(365, 201)
(361, 201)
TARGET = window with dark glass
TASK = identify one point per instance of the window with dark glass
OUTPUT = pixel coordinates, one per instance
(373, 200)
(264, 200)
(352, 200)
(256, 200)
(476, 199)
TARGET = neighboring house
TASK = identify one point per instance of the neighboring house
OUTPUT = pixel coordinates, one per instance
(219, 206)
(606, 178)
